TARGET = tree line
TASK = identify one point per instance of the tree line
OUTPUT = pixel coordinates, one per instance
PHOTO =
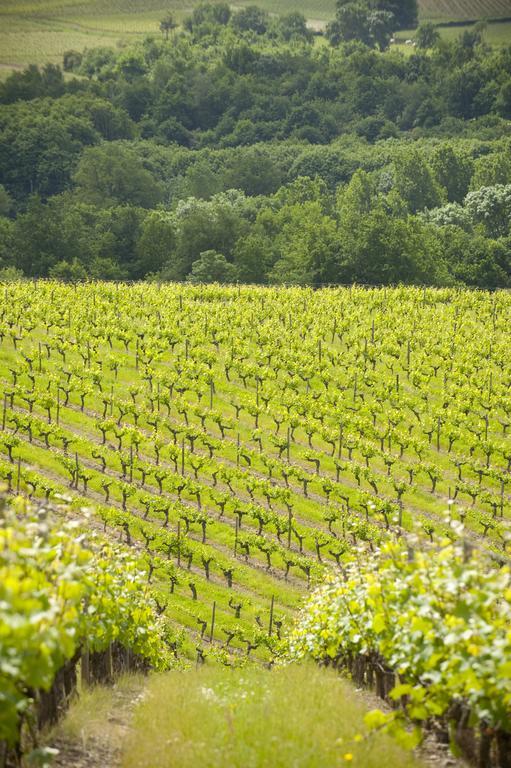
(236, 149)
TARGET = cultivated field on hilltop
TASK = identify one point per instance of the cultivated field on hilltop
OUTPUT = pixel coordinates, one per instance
(244, 438)
(37, 32)
(463, 9)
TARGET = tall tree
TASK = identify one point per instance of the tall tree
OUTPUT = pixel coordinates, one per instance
(113, 173)
(157, 242)
(212, 267)
(405, 12)
(453, 171)
(427, 35)
(415, 182)
(360, 21)
(252, 19)
(167, 24)
(208, 13)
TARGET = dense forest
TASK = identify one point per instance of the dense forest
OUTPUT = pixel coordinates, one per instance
(241, 147)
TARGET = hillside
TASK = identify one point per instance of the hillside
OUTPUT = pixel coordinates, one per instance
(244, 156)
(244, 450)
(38, 32)
(242, 444)
(458, 10)
(255, 411)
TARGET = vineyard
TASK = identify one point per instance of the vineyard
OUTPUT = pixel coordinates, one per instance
(246, 437)
(66, 596)
(37, 32)
(463, 9)
(430, 632)
(242, 441)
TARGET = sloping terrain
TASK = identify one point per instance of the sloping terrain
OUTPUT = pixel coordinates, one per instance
(242, 438)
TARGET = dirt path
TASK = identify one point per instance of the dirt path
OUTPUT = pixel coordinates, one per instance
(431, 752)
(95, 738)
(98, 742)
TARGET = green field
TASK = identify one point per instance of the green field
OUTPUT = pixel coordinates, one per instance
(496, 33)
(457, 10)
(39, 32)
(249, 437)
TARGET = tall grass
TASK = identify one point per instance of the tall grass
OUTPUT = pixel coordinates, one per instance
(99, 714)
(295, 717)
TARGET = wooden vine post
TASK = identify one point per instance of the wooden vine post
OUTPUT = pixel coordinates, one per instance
(213, 612)
(270, 627)
(85, 667)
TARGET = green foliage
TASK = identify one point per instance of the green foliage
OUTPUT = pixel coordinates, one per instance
(6, 242)
(250, 19)
(371, 22)
(306, 244)
(124, 169)
(383, 249)
(475, 260)
(255, 173)
(68, 272)
(213, 225)
(10, 275)
(503, 100)
(62, 231)
(31, 83)
(6, 202)
(40, 145)
(439, 620)
(453, 171)
(452, 214)
(427, 35)
(415, 182)
(358, 21)
(492, 169)
(293, 26)
(405, 12)
(114, 174)
(212, 267)
(491, 206)
(207, 17)
(157, 241)
(60, 591)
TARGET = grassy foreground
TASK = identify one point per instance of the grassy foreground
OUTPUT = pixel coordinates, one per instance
(296, 716)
